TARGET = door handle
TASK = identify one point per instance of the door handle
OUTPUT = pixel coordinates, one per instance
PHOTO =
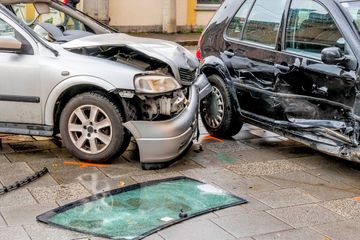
(229, 53)
(282, 68)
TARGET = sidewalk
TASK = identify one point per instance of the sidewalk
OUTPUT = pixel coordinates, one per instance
(185, 39)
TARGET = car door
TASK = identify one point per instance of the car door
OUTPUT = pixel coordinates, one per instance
(20, 85)
(308, 89)
(251, 48)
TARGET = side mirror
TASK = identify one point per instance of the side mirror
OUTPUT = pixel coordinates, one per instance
(10, 44)
(341, 43)
(332, 56)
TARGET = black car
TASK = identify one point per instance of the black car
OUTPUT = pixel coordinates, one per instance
(288, 66)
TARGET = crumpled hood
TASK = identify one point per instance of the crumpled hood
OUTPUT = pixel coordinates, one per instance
(171, 53)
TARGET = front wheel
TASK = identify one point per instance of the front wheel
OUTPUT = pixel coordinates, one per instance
(91, 127)
(217, 112)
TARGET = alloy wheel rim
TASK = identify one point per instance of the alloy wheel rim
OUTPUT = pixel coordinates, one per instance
(214, 108)
(90, 129)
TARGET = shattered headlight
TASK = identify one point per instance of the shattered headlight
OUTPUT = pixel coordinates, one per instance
(155, 84)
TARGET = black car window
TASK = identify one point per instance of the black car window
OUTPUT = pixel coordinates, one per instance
(264, 22)
(310, 29)
(237, 24)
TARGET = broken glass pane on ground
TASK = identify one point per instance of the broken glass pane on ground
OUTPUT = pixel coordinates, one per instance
(137, 211)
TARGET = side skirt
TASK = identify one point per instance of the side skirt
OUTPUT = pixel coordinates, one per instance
(26, 129)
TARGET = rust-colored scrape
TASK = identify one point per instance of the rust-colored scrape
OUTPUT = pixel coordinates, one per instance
(209, 137)
(86, 165)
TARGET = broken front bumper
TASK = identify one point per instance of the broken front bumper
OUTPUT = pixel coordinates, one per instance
(163, 141)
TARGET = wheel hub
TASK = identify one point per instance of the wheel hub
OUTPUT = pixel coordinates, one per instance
(90, 129)
(214, 108)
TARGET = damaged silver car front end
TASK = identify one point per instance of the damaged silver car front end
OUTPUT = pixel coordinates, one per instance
(165, 95)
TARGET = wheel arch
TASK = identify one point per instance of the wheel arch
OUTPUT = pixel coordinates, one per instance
(215, 66)
(68, 89)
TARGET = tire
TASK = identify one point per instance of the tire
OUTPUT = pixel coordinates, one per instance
(217, 111)
(91, 127)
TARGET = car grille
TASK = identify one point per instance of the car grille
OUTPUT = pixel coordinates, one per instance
(186, 75)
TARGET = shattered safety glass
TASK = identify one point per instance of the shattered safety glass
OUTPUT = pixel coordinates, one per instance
(137, 211)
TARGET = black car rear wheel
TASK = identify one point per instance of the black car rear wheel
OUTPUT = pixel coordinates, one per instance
(217, 111)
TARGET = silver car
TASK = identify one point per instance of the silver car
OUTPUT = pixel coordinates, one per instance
(63, 72)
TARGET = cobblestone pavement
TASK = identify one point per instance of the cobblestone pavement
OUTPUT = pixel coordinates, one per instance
(293, 191)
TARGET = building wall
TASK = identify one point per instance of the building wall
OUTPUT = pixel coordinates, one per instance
(147, 15)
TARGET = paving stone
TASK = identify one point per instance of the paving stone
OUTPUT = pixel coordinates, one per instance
(338, 173)
(60, 194)
(181, 165)
(226, 146)
(122, 168)
(247, 126)
(156, 176)
(247, 225)
(208, 216)
(345, 230)
(63, 154)
(251, 185)
(39, 231)
(315, 186)
(253, 206)
(244, 134)
(305, 215)
(32, 146)
(317, 161)
(348, 208)
(17, 198)
(53, 164)
(30, 156)
(2, 222)
(44, 181)
(285, 198)
(295, 152)
(230, 181)
(269, 142)
(101, 186)
(208, 158)
(13, 233)
(195, 231)
(3, 160)
(261, 133)
(15, 169)
(16, 216)
(258, 155)
(296, 234)
(5, 148)
(265, 168)
(78, 175)
(154, 237)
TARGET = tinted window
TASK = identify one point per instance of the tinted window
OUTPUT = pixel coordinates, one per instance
(264, 22)
(310, 28)
(237, 24)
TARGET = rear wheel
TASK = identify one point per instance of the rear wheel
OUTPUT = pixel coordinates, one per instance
(217, 111)
(91, 127)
